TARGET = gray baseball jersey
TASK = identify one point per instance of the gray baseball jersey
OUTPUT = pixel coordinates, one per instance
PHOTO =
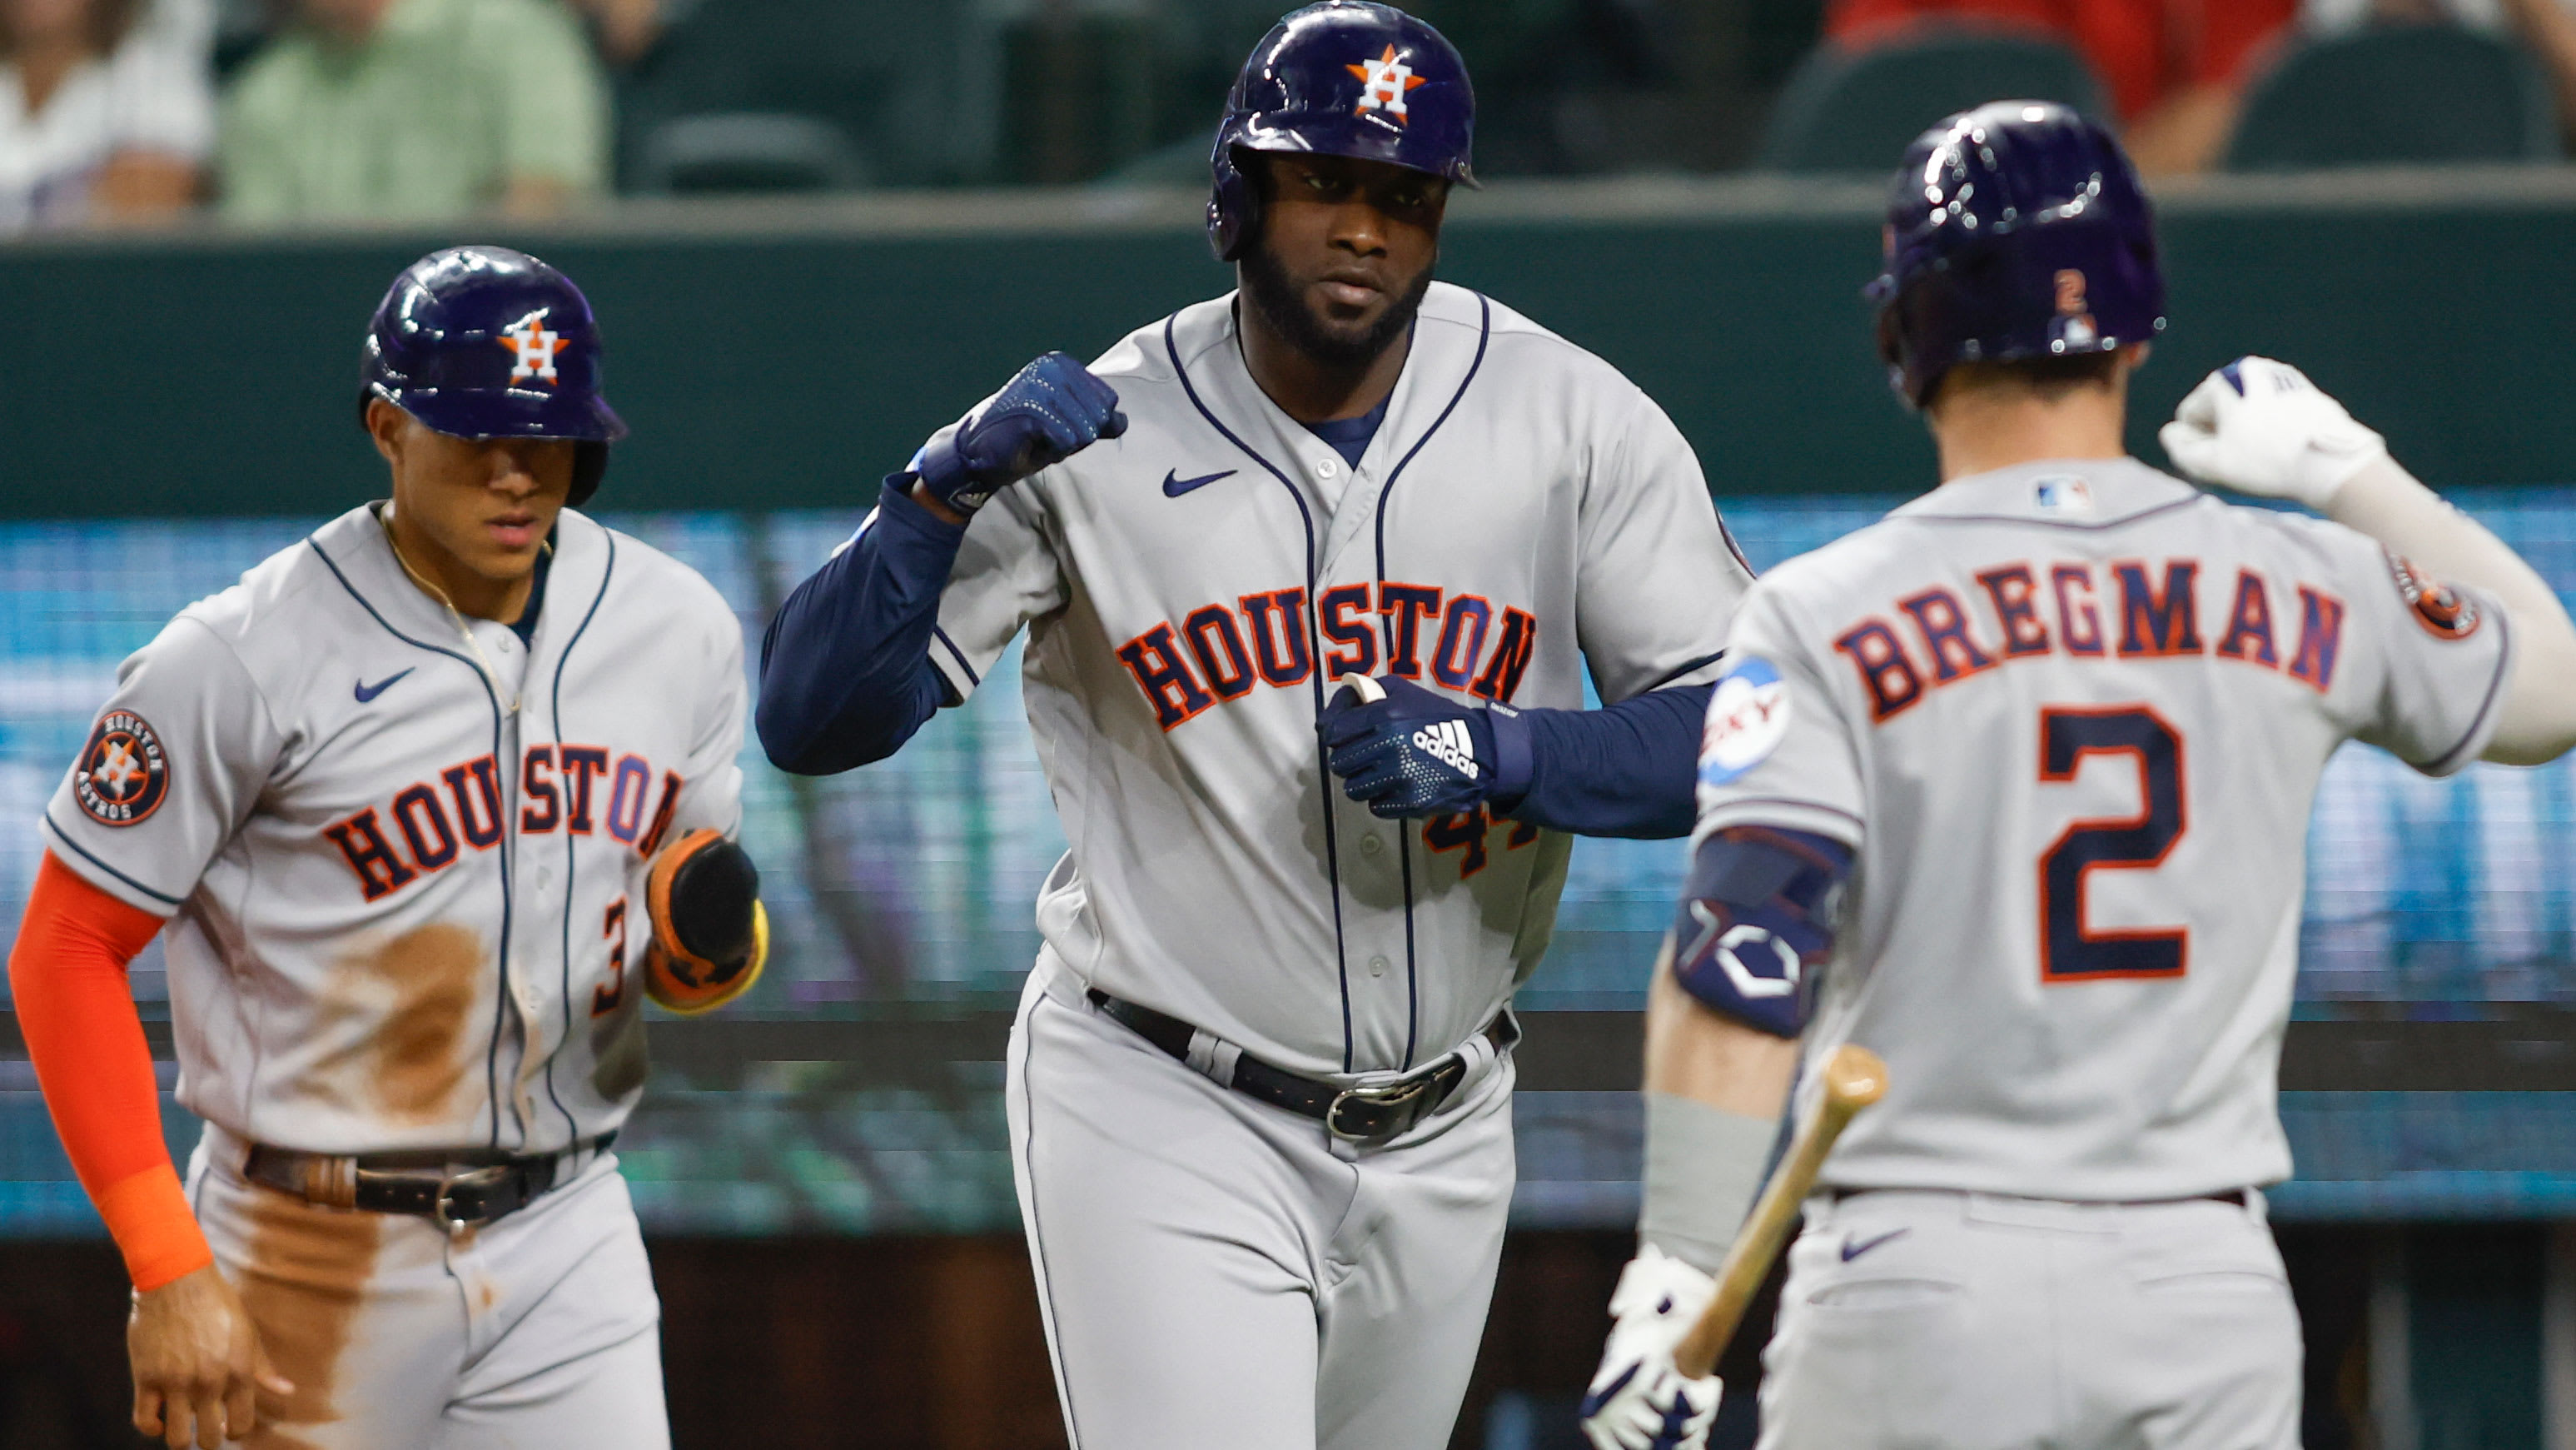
(1192, 589)
(407, 896)
(2071, 716)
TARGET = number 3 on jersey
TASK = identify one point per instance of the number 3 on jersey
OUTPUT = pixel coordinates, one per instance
(2069, 950)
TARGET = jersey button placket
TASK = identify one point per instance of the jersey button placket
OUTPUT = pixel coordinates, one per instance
(1377, 966)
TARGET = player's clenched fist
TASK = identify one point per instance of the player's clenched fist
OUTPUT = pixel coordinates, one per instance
(198, 1364)
(1408, 752)
(1052, 410)
(2260, 427)
(1638, 1401)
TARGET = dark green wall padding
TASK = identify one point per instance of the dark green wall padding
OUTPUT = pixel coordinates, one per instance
(217, 376)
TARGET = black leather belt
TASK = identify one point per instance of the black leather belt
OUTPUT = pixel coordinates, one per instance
(457, 1190)
(1366, 1116)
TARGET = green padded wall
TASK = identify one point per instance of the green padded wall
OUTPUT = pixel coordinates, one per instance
(215, 376)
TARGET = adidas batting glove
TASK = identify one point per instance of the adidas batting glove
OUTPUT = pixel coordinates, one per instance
(1413, 753)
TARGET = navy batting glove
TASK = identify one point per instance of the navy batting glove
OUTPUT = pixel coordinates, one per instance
(1412, 754)
(1051, 411)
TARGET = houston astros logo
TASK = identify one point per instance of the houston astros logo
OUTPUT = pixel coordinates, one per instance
(536, 346)
(123, 772)
(1383, 82)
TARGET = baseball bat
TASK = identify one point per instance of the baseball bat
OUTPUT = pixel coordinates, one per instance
(1854, 1078)
(1369, 691)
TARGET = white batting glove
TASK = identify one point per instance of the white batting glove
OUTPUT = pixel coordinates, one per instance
(2260, 427)
(1638, 1401)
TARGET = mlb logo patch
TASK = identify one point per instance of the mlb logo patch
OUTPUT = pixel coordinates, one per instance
(2062, 495)
(1748, 715)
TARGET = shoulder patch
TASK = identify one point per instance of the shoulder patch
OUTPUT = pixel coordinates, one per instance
(1748, 715)
(2444, 612)
(123, 773)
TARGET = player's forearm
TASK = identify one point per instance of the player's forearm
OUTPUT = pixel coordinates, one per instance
(68, 982)
(845, 673)
(1627, 770)
(1715, 1089)
(2538, 722)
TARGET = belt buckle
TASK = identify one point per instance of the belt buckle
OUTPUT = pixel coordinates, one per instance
(485, 1177)
(1394, 1094)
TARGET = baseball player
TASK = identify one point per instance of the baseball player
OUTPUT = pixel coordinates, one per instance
(429, 802)
(1259, 1086)
(2012, 788)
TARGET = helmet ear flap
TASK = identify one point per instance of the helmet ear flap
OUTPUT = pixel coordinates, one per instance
(589, 466)
(1234, 207)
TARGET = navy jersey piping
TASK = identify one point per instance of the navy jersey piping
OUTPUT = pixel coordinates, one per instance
(571, 857)
(1386, 625)
(2495, 688)
(501, 997)
(2094, 527)
(1677, 671)
(1315, 646)
(86, 854)
(957, 654)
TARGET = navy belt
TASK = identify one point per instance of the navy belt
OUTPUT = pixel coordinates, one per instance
(454, 1189)
(1366, 1116)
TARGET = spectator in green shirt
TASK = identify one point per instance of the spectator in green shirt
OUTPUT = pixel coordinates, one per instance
(416, 110)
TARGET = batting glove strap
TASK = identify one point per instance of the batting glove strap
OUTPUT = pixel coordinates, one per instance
(1413, 754)
(2260, 427)
(1053, 409)
(1638, 1400)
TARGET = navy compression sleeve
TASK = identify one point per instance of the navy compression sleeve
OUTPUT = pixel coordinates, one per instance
(845, 671)
(1628, 770)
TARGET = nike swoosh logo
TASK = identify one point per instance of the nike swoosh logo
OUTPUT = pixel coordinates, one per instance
(1852, 1250)
(367, 692)
(1174, 485)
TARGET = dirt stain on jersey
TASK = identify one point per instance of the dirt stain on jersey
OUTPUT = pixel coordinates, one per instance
(420, 992)
(303, 1287)
(619, 1060)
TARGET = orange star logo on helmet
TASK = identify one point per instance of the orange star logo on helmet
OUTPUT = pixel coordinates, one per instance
(1383, 82)
(536, 345)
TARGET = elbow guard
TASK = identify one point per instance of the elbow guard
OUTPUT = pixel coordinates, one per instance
(710, 933)
(1756, 924)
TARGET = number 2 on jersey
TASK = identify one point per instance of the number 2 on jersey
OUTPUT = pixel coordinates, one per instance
(2070, 950)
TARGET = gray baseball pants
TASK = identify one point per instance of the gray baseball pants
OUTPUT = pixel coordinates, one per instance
(1972, 1322)
(1218, 1271)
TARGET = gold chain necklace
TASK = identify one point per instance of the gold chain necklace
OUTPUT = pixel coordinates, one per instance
(483, 662)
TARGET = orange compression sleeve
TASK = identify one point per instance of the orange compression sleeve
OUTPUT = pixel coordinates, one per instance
(76, 1011)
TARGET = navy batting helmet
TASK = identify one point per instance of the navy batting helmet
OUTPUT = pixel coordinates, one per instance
(485, 342)
(1343, 78)
(2016, 230)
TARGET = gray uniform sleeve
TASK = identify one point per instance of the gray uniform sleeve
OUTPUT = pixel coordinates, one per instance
(1659, 577)
(1006, 574)
(711, 795)
(170, 770)
(1780, 748)
(2437, 657)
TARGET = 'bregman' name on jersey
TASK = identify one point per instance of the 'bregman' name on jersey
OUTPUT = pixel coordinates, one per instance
(573, 788)
(2128, 609)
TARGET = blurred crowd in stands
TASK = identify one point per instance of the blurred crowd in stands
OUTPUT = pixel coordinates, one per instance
(125, 112)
